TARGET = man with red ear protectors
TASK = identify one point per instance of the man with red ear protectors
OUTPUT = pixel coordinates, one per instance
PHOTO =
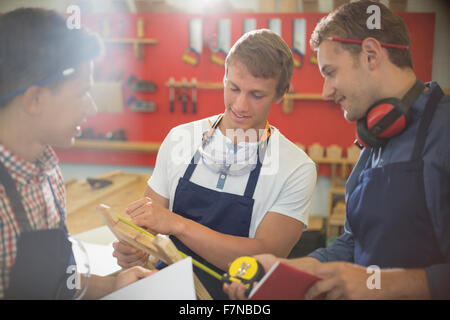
(398, 194)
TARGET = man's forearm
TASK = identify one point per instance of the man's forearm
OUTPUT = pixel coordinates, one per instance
(99, 287)
(405, 284)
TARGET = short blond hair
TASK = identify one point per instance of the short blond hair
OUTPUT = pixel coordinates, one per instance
(266, 55)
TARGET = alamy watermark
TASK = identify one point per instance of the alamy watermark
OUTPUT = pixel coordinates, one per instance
(74, 19)
(374, 281)
(185, 142)
(374, 20)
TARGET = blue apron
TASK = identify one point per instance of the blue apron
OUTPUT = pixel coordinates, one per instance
(43, 256)
(220, 211)
(387, 210)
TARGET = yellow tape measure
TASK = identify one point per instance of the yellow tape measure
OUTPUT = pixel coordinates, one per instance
(194, 262)
(245, 270)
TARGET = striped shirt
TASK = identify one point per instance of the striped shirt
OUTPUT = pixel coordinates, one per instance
(37, 199)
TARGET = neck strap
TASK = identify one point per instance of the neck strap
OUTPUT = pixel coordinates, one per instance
(263, 140)
(413, 93)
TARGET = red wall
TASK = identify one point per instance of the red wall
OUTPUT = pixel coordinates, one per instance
(311, 121)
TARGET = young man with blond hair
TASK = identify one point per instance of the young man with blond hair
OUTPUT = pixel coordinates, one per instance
(231, 184)
(396, 243)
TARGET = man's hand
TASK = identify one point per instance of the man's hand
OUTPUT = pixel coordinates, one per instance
(236, 291)
(341, 280)
(131, 275)
(127, 256)
(153, 216)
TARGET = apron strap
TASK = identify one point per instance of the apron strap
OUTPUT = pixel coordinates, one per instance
(192, 165)
(61, 210)
(15, 198)
(429, 110)
(253, 180)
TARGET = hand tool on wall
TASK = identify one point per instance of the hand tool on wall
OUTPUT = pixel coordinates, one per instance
(117, 135)
(140, 28)
(140, 31)
(137, 105)
(248, 25)
(219, 54)
(191, 54)
(87, 133)
(171, 95)
(299, 41)
(313, 58)
(184, 95)
(275, 25)
(140, 85)
(194, 96)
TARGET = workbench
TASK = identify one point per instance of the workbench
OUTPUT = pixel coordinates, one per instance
(82, 200)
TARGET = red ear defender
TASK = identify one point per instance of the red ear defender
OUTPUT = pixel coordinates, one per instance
(375, 115)
(386, 118)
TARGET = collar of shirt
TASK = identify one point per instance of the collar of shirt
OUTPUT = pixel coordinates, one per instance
(24, 171)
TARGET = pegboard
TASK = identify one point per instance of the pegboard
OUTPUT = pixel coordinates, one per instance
(311, 121)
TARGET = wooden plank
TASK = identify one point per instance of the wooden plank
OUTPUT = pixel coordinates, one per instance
(158, 246)
(130, 40)
(198, 85)
(133, 146)
(305, 96)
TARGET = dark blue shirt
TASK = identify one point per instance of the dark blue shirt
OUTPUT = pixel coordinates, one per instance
(436, 156)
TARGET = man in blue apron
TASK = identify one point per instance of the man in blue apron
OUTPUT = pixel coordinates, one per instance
(396, 243)
(231, 184)
(45, 75)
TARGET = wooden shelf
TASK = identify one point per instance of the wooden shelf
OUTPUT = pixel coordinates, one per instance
(303, 96)
(288, 103)
(136, 42)
(131, 40)
(198, 85)
(147, 147)
(326, 160)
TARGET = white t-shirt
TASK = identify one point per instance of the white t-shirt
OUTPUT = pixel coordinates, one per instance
(285, 185)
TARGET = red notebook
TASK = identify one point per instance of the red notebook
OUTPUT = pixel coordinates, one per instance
(283, 282)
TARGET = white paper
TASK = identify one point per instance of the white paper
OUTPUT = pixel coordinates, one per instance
(101, 235)
(175, 282)
(98, 245)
